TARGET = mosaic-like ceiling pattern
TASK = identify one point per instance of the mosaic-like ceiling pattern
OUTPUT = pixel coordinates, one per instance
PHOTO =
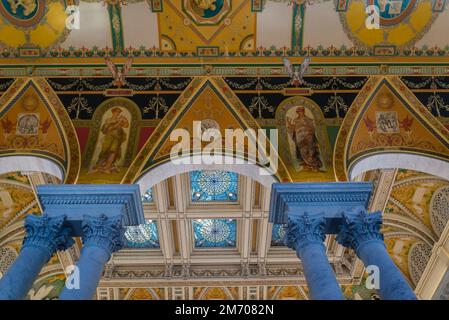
(214, 185)
(143, 236)
(215, 233)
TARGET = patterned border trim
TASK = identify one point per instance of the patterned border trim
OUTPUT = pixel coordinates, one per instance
(56, 51)
(257, 5)
(207, 51)
(69, 134)
(157, 5)
(298, 26)
(115, 19)
(262, 67)
(339, 160)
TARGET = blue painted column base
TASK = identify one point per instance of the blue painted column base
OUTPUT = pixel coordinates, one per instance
(90, 266)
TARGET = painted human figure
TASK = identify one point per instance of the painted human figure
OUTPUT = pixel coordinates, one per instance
(114, 137)
(302, 131)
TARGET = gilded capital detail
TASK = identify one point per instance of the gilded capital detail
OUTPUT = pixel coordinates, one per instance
(47, 233)
(104, 232)
(305, 229)
(360, 226)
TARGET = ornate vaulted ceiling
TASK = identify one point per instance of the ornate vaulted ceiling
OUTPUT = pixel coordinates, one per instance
(221, 28)
(207, 235)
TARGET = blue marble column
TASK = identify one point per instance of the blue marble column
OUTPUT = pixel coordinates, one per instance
(361, 232)
(101, 237)
(44, 236)
(306, 234)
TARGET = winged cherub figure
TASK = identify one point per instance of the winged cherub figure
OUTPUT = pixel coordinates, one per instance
(296, 73)
(119, 74)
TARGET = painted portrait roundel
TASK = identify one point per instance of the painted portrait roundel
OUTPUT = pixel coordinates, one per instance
(402, 22)
(393, 12)
(206, 12)
(23, 13)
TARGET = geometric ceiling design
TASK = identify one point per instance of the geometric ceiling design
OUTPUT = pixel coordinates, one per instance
(214, 186)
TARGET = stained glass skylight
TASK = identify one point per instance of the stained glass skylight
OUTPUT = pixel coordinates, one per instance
(142, 236)
(278, 235)
(214, 185)
(147, 197)
(215, 233)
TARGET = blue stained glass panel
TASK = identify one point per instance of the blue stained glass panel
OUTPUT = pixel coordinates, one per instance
(214, 185)
(147, 197)
(215, 233)
(142, 236)
(278, 235)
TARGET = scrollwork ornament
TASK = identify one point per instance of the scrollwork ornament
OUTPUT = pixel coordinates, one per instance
(48, 233)
(104, 232)
(360, 226)
(305, 229)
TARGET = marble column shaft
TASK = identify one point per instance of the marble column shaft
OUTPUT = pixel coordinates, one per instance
(306, 235)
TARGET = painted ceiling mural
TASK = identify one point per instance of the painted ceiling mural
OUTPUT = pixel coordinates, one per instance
(401, 23)
(222, 27)
(221, 62)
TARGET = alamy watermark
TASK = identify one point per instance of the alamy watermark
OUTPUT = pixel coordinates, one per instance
(72, 22)
(391, 7)
(73, 277)
(373, 278)
(236, 147)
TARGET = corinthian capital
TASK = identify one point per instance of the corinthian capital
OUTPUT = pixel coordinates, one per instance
(105, 232)
(47, 233)
(358, 227)
(305, 229)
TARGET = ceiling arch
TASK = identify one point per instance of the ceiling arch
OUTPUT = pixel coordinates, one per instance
(211, 101)
(385, 120)
(36, 127)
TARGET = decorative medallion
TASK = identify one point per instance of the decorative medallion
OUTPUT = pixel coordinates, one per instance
(206, 12)
(32, 26)
(213, 233)
(214, 185)
(207, 26)
(393, 12)
(401, 23)
(23, 13)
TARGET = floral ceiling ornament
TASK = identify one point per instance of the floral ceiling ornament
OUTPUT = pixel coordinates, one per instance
(156, 103)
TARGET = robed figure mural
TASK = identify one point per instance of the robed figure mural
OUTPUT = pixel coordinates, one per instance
(301, 130)
(111, 144)
(115, 135)
(304, 144)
